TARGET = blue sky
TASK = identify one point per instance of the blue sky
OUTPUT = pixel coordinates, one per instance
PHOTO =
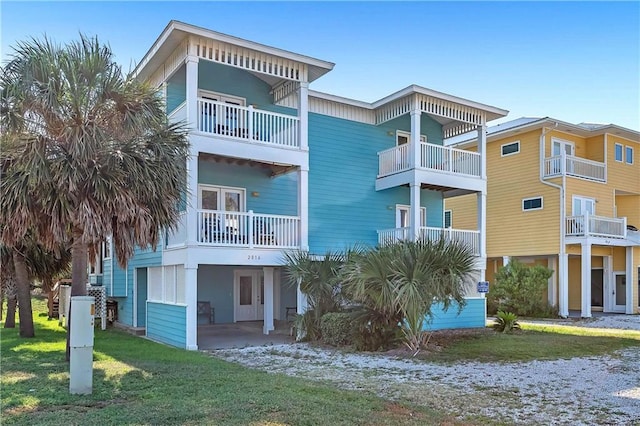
(574, 61)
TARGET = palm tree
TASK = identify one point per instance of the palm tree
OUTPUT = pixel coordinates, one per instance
(89, 149)
(398, 284)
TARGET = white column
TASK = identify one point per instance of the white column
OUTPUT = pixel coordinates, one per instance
(415, 211)
(301, 301)
(563, 284)
(482, 222)
(505, 260)
(303, 114)
(630, 283)
(586, 280)
(552, 292)
(414, 156)
(191, 299)
(192, 162)
(268, 300)
(303, 206)
(482, 149)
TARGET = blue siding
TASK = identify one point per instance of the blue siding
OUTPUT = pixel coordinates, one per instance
(167, 323)
(240, 83)
(276, 195)
(176, 89)
(123, 280)
(344, 207)
(473, 315)
(288, 296)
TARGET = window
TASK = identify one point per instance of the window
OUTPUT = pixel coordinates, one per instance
(403, 216)
(618, 152)
(405, 137)
(166, 284)
(510, 148)
(532, 203)
(447, 218)
(629, 155)
(558, 146)
(583, 205)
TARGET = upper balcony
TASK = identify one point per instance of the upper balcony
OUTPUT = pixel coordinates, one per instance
(440, 167)
(572, 166)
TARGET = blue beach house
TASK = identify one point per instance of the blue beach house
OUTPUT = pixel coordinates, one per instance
(277, 166)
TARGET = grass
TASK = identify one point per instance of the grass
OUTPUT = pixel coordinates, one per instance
(137, 381)
(533, 342)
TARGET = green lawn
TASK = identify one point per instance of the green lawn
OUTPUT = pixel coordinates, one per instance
(140, 382)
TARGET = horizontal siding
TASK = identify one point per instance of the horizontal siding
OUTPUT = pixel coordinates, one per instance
(464, 211)
(602, 193)
(275, 195)
(629, 206)
(510, 231)
(473, 315)
(623, 176)
(344, 207)
(167, 323)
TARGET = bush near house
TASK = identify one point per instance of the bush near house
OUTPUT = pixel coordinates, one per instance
(520, 289)
(336, 328)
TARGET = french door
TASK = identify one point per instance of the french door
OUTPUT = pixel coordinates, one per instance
(248, 295)
(583, 205)
(221, 227)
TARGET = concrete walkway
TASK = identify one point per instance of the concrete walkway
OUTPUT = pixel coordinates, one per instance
(241, 335)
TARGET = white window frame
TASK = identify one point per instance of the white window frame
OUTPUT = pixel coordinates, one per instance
(423, 214)
(423, 138)
(444, 219)
(502, 154)
(221, 97)
(615, 152)
(221, 192)
(169, 286)
(627, 157)
(582, 198)
(533, 198)
(563, 142)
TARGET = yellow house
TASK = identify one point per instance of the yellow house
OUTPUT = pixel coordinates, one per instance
(568, 197)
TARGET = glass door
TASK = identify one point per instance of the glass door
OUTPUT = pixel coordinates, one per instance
(620, 292)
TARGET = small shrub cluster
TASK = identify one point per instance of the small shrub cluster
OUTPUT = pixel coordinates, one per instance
(336, 328)
(520, 289)
(506, 322)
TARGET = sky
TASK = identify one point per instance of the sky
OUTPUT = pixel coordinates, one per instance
(573, 61)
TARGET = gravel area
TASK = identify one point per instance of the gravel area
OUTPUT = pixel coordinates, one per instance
(580, 391)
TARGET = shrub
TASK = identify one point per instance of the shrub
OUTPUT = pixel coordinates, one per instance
(336, 328)
(506, 322)
(520, 289)
(375, 330)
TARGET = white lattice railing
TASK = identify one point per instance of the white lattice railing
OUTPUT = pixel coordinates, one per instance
(469, 238)
(575, 166)
(596, 226)
(393, 160)
(432, 157)
(247, 229)
(248, 123)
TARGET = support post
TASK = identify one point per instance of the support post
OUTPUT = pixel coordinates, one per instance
(191, 300)
(629, 305)
(303, 206)
(563, 284)
(301, 300)
(586, 280)
(414, 214)
(416, 147)
(192, 161)
(303, 114)
(268, 300)
(552, 289)
(482, 150)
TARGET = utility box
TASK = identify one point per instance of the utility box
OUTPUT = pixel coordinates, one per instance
(82, 321)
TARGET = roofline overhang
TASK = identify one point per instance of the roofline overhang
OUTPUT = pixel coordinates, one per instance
(174, 26)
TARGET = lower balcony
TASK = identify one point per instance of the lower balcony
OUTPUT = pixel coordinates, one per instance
(469, 238)
(596, 226)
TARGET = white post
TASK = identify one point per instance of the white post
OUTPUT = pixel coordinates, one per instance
(303, 114)
(268, 300)
(191, 300)
(482, 222)
(192, 162)
(586, 280)
(629, 305)
(563, 283)
(303, 206)
(250, 230)
(505, 260)
(416, 147)
(482, 150)
(415, 211)
(301, 301)
(552, 293)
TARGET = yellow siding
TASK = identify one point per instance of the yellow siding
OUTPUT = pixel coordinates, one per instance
(464, 211)
(619, 259)
(575, 280)
(623, 176)
(636, 279)
(511, 231)
(595, 148)
(601, 192)
(629, 206)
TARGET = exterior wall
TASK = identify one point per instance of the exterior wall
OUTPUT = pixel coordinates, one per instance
(575, 282)
(276, 195)
(623, 176)
(629, 206)
(473, 315)
(464, 211)
(167, 323)
(595, 149)
(601, 192)
(344, 207)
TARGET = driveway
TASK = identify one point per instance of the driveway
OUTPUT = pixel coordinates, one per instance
(591, 391)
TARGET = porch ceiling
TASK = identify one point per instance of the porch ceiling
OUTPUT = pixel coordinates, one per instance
(274, 169)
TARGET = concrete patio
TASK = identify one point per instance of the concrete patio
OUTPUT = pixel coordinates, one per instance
(242, 335)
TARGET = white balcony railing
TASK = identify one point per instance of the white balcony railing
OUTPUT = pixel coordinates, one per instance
(247, 229)
(469, 238)
(432, 157)
(596, 226)
(248, 124)
(576, 167)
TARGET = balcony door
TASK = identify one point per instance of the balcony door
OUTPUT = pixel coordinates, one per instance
(583, 205)
(222, 119)
(560, 146)
(216, 226)
(403, 220)
(619, 295)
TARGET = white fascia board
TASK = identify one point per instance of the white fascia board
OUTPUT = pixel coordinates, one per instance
(340, 99)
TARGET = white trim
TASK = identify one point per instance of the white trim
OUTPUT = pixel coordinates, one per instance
(221, 97)
(255, 277)
(533, 198)
(615, 157)
(502, 154)
(423, 138)
(582, 197)
(563, 142)
(221, 191)
(407, 208)
(626, 157)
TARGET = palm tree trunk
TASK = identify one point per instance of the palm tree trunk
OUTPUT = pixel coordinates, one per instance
(23, 292)
(79, 253)
(10, 322)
